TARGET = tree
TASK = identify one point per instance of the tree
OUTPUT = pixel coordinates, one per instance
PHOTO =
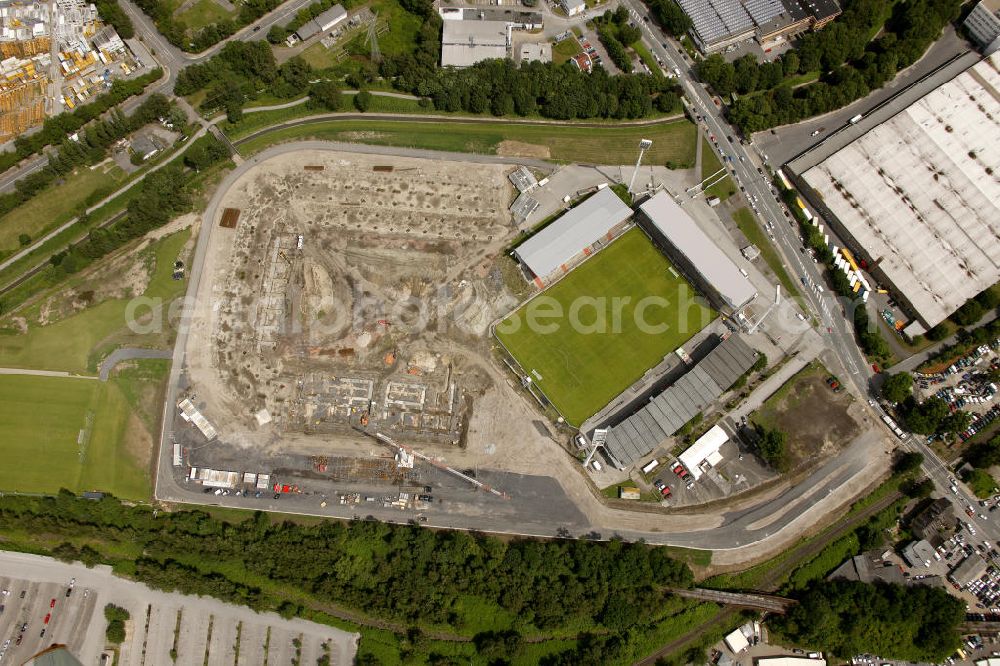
(897, 387)
(277, 34)
(669, 14)
(772, 448)
(24, 239)
(363, 101)
(116, 617)
(925, 418)
(908, 462)
(326, 95)
(984, 454)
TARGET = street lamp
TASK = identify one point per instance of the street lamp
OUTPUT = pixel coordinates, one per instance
(644, 145)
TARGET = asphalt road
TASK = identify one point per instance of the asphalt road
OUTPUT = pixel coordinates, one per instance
(831, 313)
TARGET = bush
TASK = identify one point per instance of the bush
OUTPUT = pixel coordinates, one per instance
(363, 101)
(116, 617)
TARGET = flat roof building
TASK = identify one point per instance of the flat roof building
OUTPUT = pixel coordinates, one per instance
(971, 568)
(322, 23)
(918, 553)
(788, 661)
(704, 452)
(718, 24)
(694, 252)
(573, 7)
(636, 435)
(918, 196)
(552, 251)
(464, 43)
(541, 52)
(983, 24)
(736, 641)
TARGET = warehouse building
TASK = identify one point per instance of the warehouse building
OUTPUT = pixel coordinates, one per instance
(918, 197)
(471, 35)
(325, 21)
(718, 24)
(971, 569)
(693, 252)
(666, 413)
(704, 453)
(983, 24)
(554, 250)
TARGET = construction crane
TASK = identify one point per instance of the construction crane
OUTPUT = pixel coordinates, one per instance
(385, 439)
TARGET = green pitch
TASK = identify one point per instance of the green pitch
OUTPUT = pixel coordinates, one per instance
(622, 311)
(41, 419)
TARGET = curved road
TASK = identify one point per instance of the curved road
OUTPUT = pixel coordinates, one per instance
(778, 519)
(129, 354)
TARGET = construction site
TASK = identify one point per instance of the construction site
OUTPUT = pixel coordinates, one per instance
(344, 296)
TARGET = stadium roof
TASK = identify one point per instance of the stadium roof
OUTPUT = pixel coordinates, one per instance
(666, 413)
(577, 229)
(919, 193)
(703, 449)
(702, 253)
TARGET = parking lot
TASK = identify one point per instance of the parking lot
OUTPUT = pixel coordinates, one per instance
(201, 630)
(967, 385)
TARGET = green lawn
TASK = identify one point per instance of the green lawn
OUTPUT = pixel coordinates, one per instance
(564, 50)
(202, 13)
(55, 205)
(582, 370)
(648, 58)
(68, 344)
(753, 232)
(710, 164)
(981, 483)
(41, 419)
(673, 141)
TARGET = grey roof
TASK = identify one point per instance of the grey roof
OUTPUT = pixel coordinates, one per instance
(331, 17)
(464, 43)
(522, 179)
(969, 570)
(307, 29)
(576, 230)
(715, 268)
(524, 205)
(717, 20)
(667, 412)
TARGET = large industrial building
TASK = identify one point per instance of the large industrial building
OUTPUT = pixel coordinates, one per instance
(691, 250)
(718, 24)
(470, 35)
(666, 413)
(983, 24)
(554, 250)
(918, 196)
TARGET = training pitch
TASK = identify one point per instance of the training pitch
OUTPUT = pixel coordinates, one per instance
(581, 368)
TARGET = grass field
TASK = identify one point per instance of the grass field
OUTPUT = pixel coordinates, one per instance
(672, 141)
(580, 371)
(710, 164)
(202, 13)
(68, 344)
(744, 220)
(565, 50)
(41, 419)
(55, 205)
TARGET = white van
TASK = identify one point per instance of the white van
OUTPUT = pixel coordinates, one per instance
(596, 465)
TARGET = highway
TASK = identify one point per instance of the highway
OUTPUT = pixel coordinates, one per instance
(830, 310)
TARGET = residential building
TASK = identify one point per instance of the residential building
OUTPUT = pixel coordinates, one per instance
(573, 7)
(935, 523)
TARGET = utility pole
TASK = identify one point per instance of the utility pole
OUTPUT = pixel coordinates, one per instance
(644, 145)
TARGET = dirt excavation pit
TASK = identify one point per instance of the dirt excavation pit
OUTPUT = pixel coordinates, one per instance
(351, 296)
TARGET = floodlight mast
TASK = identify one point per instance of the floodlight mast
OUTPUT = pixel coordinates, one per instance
(644, 145)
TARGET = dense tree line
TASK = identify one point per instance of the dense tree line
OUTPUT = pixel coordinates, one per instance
(162, 196)
(395, 572)
(238, 73)
(915, 623)
(965, 341)
(113, 14)
(176, 31)
(57, 128)
(851, 63)
(90, 147)
(499, 87)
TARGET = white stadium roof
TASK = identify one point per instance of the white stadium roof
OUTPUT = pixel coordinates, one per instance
(702, 253)
(575, 231)
(920, 193)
